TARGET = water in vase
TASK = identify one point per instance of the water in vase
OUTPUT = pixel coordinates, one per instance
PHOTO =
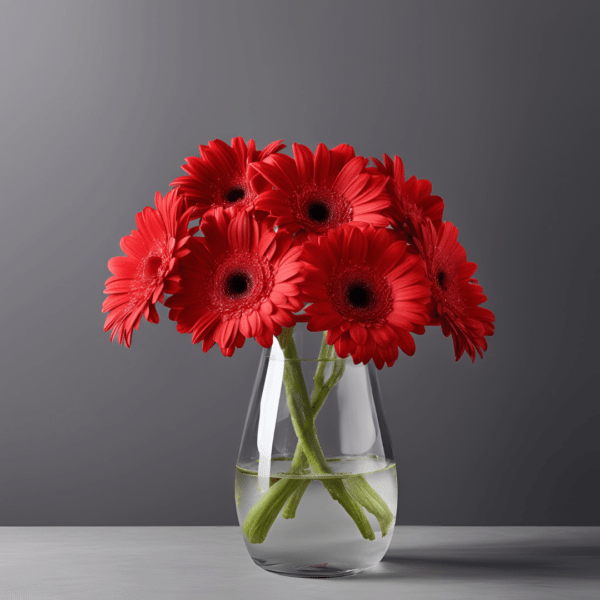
(321, 528)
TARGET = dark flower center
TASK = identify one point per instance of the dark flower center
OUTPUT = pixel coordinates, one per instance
(359, 296)
(440, 279)
(319, 208)
(318, 211)
(152, 266)
(234, 194)
(237, 284)
(241, 282)
(360, 293)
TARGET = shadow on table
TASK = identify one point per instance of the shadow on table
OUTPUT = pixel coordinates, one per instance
(487, 561)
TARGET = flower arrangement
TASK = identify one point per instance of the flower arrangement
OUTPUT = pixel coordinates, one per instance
(354, 250)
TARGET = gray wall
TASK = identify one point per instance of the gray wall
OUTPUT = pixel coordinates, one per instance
(496, 103)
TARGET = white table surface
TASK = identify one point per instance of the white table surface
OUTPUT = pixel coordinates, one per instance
(177, 563)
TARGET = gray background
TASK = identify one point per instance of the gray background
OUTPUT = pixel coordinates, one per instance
(496, 103)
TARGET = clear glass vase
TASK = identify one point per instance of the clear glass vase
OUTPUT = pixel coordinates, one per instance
(316, 488)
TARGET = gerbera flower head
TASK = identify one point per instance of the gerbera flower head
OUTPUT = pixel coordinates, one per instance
(149, 270)
(367, 291)
(239, 281)
(316, 193)
(455, 294)
(221, 176)
(411, 200)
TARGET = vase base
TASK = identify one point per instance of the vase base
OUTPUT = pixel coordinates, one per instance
(324, 571)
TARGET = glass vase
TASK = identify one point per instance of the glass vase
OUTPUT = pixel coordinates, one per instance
(316, 488)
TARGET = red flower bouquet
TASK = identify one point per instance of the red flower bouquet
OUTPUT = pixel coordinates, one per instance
(357, 252)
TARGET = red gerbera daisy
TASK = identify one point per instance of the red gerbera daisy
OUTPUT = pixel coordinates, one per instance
(455, 294)
(221, 177)
(239, 281)
(367, 291)
(316, 193)
(142, 278)
(412, 201)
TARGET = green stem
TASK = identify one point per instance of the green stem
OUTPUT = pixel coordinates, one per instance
(262, 515)
(364, 494)
(320, 393)
(289, 511)
(324, 355)
(304, 425)
(301, 410)
(299, 462)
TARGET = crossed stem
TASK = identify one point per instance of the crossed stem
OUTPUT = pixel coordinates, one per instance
(352, 493)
